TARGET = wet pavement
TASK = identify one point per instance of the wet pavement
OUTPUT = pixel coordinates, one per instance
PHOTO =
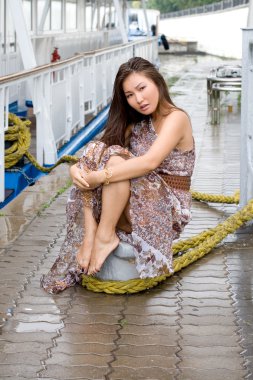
(196, 325)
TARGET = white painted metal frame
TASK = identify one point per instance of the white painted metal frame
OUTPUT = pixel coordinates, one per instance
(246, 160)
(24, 41)
(122, 27)
(64, 92)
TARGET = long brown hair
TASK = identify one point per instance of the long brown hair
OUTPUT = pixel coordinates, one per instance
(121, 114)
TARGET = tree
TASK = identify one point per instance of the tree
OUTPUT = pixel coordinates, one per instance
(165, 6)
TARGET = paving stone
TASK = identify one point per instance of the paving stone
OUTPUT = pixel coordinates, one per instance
(152, 310)
(210, 374)
(23, 327)
(42, 300)
(201, 280)
(207, 311)
(145, 361)
(22, 347)
(90, 328)
(6, 299)
(84, 338)
(138, 320)
(98, 361)
(208, 320)
(38, 337)
(146, 350)
(71, 372)
(159, 340)
(39, 292)
(208, 340)
(5, 278)
(20, 358)
(94, 318)
(205, 294)
(217, 350)
(95, 309)
(85, 348)
(204, 273)
(208, 330)
(165, 291)
(205, 287)
(41, 309)
(19, 371)
(149, 330)
(209, 266)
(152, 302)
(210, 362)
(16, 378)
(143, 374)
(213, 302)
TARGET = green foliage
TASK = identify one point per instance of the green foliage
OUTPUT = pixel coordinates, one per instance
(176, 5)
(135, 4)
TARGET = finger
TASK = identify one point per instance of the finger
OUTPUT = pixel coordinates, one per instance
(80, 185)
(83, 181)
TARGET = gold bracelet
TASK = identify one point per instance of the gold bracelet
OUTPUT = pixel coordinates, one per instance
(108, 175)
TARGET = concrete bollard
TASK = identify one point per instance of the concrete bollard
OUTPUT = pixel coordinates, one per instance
(119, 265)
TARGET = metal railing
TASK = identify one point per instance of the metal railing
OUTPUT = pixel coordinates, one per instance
(64, 92)
(208, 8)
(246, 155)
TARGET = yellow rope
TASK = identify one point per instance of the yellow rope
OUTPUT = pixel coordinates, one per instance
(202, 243)
(216, 198)
(19, 133)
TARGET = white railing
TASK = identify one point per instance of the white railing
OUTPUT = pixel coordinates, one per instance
(63, 93)
(246, 160)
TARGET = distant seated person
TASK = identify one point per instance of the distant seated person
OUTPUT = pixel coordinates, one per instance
(153, 30)
(163, 41)
(137, 32)
(110, 25)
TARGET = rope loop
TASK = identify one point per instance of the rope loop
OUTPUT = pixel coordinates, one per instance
(19, 134)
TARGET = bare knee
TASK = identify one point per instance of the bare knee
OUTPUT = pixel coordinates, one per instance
(115, 160)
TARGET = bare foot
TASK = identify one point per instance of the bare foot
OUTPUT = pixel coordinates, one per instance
(84, 254)
(101, 250)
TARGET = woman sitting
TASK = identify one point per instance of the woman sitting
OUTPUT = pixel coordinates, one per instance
(132, 185)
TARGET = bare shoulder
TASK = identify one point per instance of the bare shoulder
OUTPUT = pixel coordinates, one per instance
(178, 116)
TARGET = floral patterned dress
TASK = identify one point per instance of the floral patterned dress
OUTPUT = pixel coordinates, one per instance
(158, 212)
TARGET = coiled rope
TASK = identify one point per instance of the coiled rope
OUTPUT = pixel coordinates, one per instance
(190, 250)
(19, 134)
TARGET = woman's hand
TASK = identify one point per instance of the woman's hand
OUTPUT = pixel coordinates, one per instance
(84, 180)
(78, 178)
(95, 178)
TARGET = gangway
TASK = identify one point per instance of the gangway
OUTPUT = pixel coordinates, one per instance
(67, 93)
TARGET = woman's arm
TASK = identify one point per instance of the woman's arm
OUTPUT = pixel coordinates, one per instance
(175, 131)
(78, 176)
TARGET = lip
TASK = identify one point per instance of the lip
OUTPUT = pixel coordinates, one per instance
(144, 107)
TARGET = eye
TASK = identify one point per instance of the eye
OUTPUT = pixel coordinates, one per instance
(142, 88)
(128, 96)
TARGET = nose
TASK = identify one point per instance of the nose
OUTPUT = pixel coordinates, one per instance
(139, 98)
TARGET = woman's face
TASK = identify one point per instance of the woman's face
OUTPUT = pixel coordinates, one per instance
(141, 93)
